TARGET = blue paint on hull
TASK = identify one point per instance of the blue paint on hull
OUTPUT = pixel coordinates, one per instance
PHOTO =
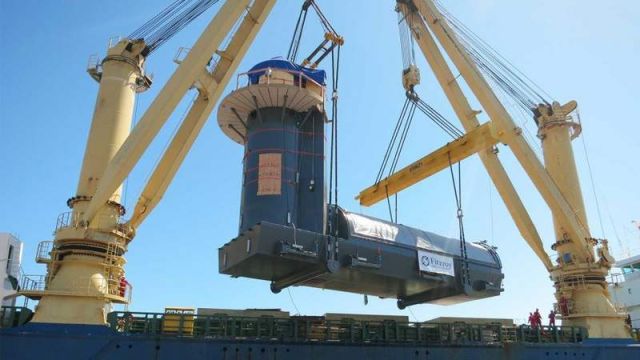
(55, 341)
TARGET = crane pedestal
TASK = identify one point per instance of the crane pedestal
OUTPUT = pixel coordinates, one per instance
(581, 288)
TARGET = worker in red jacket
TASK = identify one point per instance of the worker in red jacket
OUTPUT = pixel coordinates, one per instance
(537, 318)
(123, 286)
(532, 322)
(564, 306)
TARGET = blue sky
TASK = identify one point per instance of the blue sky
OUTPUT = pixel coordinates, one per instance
(585, 50)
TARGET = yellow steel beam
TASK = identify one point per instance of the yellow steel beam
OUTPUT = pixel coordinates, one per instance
(171, 160)
(507, 130)
(468, 119)
(200, 110)
(474, 141)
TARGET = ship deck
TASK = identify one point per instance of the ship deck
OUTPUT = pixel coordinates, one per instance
(169, 336)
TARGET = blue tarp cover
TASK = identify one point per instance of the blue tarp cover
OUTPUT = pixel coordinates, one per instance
(318, 76)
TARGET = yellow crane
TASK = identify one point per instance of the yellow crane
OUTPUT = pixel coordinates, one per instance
(85, 269)
(578, 276)
(86, 265)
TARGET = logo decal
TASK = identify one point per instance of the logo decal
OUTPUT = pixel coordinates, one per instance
(435, 263)
(425, 261)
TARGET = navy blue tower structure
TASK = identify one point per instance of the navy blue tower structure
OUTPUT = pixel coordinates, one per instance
(278, 115)
(283, 179)
(279, 118)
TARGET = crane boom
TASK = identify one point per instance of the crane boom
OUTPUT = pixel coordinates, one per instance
(187, 73)
(200, 110)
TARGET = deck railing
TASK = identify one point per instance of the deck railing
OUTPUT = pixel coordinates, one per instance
(43, 252)
(11, 316)
(33, 282)
(314, 329)
(299, 78)
(83, 287)
(70, 219)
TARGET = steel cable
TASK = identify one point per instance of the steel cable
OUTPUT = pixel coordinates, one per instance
(169, 22)
(457, 193)
(499, 71)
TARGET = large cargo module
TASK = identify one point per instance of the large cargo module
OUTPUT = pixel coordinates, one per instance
(283, 234)
(374, 257)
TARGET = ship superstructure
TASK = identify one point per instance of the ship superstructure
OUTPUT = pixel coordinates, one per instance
(624, 286)
(10, 259)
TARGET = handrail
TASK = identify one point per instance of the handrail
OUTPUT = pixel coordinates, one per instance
(314, 329)
(69, 219)
(12, 316)
(33, 282)
(83, 287)
(43, 252)
(113, 41)
(268, 70)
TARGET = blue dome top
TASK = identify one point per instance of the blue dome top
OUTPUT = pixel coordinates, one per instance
(316, 75)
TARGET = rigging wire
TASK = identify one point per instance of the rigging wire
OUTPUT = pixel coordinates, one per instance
(401, 130)
(493, 50)
(593, 184)
(330, 41)
(133, 125)
(457, 192)
(292, 301)
(174, 131)
(403, 138)
(442, 122)
(412, 314)
(392, 141)
(407, 45)
(323, 19)
(169, 22)
(498, 70)
(491, 222)
(297, 33)
(392, 218)
(484, 48)
(623, 249)
(399, 136)
(333, 157)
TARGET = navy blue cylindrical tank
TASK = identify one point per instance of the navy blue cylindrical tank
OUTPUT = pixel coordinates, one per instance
(283, 180)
